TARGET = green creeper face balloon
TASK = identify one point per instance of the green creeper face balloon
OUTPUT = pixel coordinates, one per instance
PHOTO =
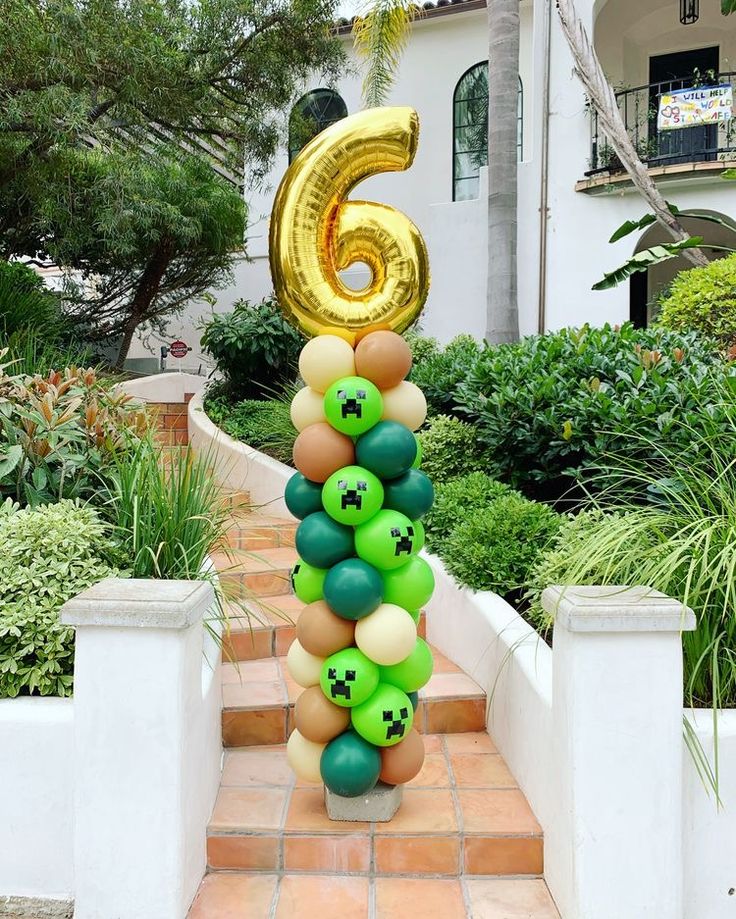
(419, 535)
(348, 677)
(410, 586)
(353, 405)
(322, 542)
(349, 765)
(413, 672)
(307, 581)
(411, 494)
(387, 541)
(388, 449)
(385, 718)
(302, 496)
(352, 495)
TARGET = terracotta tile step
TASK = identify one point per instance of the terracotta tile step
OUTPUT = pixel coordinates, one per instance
(335, 896)
(259, 531)
(237, 501)
(267, 627)
(462, 815)
(255, 573)
(258, 699)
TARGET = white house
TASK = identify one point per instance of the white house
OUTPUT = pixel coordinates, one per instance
(571, 196)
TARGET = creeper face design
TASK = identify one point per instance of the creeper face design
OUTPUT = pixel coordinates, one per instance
(351, 497)
(395, 727)
(404, 542)
(351, 405)
(348, 677)
(340, 687)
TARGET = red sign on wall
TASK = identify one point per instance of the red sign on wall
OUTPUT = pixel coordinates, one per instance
(179, 348)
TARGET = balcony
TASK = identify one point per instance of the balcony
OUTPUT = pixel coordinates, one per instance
(695, 152)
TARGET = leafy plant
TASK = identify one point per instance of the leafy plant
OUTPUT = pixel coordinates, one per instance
(31, 352)
(548, 407)
(421, 346)
(457, 500)
(49, 554)
(495, 548)
(59, 433)
(449, 449)
(703, 300)
(254, 347)
(26, 304)
(439, 373)
(262, 424)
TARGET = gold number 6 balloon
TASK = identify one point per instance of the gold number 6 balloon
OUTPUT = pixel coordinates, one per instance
(316, 233)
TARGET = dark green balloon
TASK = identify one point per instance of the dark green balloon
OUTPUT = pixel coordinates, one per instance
(302, 496)
(418, 458)
(411, 494)
(414, 699)
(349, 765)
(388, 449)
(323, 542)
(353, 588)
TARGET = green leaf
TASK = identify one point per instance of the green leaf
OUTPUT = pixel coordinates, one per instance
(630, 226)
(644, 260)
(10, 460)
(728, 7)
(729, 174)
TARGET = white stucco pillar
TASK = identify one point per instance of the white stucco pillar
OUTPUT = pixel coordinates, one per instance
(147, 747)
(615, 847)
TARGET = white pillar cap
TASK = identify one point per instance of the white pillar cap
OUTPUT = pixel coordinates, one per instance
(614, 608)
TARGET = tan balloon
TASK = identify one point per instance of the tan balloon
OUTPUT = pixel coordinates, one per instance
(304, 757)
(317, 719)
(321, 632)
(307, 407)
(387, 636)
(320, 450)
(325, 359)
(405, 403)
(402, 762)
(304, 667)
(384, 358)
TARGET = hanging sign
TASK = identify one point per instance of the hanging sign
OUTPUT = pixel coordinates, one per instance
(687, 108)
(179, 348)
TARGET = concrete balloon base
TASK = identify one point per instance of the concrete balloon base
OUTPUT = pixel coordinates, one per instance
(378, 806)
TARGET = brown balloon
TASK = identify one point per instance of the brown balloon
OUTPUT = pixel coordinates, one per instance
(384, 358)
(402, 762)
(321, 632)
(317, 719)
(320, 450)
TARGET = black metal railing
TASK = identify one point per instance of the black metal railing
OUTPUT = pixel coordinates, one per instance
(639, 106)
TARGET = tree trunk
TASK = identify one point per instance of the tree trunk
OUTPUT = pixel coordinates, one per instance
(502, 311)
(145, 293)
(602, 96)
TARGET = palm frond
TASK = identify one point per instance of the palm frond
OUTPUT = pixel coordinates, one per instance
(380, 37)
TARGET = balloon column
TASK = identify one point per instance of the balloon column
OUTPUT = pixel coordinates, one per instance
(360, 498)
(358, 491)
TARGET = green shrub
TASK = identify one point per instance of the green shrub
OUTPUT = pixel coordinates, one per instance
(703, 300)
(254, 347)
(49, 554)
(449, 449)
(421, 348)
(456, 501)
(497, 547)
(31, 352)
(439, 373)
(26, 303)
(548, 407)
(264, 425)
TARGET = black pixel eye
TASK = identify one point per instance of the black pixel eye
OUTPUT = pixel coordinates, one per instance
(350, 675)
(332, 674)
(404, 713)
(395, 531)
(410, 531)
(360, 394)
(388, 716)
(342, 484)
(362, 486)
(342, 394)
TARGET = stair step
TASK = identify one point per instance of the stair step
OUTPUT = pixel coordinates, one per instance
(236, 501)
(463, 814)
(267, 627)
(259, 531)
(258, 701)
(249, 573)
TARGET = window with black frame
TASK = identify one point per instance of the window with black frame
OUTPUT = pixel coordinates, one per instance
(314, 112)
(470, 130)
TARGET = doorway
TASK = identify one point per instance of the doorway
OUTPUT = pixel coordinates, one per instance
(668, 72)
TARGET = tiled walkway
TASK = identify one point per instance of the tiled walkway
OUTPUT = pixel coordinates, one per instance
(464, 844)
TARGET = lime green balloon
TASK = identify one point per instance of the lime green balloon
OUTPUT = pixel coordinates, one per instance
(419, 534)
(410, 586)
(385, 718)
(352, 495)
(416, 615)
(353, 405)
(348, 677)
(349, 765)
(413, 672)
(387, 541)
(418, 458)
(307, 582)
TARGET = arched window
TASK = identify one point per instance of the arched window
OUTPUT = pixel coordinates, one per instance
(313, 113)
(470, 130)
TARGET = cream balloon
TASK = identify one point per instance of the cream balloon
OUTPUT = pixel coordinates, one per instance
(387, 636)
(304, 667)
(304, 757)
(307, 407)
(405, 403)
(325, 359)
